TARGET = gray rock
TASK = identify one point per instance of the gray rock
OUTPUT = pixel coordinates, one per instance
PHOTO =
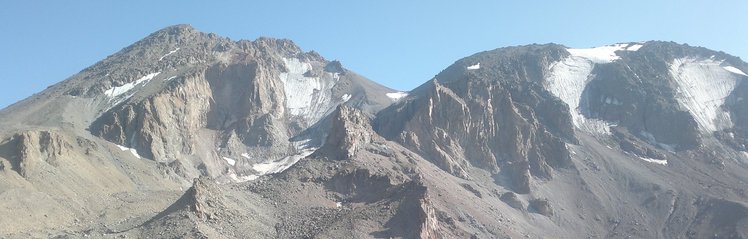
(541, 206)
(511, 199)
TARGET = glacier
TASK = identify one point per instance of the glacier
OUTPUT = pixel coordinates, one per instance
(307, 97)
(702, 86)
(568, 78)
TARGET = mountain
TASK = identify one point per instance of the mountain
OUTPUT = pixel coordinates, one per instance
(176, 105)
(633, 139)
(187, 134)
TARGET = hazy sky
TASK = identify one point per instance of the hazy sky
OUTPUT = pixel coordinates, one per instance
(400, 44)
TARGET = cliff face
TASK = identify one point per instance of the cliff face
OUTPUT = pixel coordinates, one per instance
(28, 150)
(497, 117)
(517, 108)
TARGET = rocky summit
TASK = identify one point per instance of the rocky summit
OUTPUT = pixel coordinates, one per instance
(186, 134)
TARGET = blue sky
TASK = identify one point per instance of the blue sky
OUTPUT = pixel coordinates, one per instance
(400, 44)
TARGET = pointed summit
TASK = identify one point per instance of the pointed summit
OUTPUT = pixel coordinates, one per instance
(180, 33)
(176, 30)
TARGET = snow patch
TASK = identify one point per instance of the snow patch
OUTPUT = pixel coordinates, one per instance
(634, 47)
(474, 67)
(307, 97)
(231, 161)
(656, 161)
(734, 70)
(395, 96)
(119, 90)
(567, 80)
(346, 97)
(603, 54)
(610, 100)
(650, 138)
(132, 151)
(302, 144)
(273, 167)
(702, 86)
(167, 54)
(244, 178)
(303, 149)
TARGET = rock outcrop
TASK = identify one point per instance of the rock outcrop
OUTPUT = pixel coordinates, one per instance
(27, 151)
(350, 132)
